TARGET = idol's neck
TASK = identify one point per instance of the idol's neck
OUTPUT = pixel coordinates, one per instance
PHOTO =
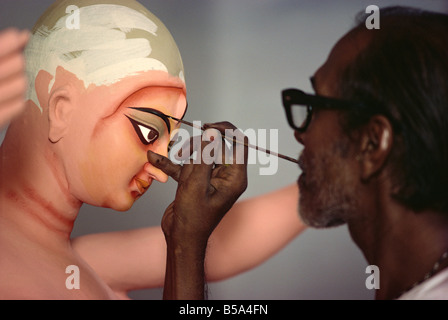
(34, 196)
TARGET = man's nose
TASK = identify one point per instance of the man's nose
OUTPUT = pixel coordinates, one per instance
(299, 136)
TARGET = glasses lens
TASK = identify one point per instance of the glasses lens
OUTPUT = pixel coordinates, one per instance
(299, 114)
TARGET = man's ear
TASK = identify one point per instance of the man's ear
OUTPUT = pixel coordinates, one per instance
(376, 144)
(59, 113)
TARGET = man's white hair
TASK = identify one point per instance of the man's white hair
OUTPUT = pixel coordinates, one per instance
(111, 42)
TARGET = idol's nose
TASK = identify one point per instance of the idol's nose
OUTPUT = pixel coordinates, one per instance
(154, 172)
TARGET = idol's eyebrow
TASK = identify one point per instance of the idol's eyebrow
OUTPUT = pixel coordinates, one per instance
(163, 116)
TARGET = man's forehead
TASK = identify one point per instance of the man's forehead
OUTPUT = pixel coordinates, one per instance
(326, 78)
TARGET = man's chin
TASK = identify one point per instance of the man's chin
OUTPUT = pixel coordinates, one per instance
(318, 219)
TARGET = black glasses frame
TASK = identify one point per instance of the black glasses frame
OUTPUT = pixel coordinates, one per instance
(295, 97)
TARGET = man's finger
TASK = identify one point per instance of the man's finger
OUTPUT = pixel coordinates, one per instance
(197, 174)
(164, 164)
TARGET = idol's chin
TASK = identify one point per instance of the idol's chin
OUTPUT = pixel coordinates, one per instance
(127, 203)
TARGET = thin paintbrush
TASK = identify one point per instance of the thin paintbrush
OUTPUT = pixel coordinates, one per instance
(240, 142)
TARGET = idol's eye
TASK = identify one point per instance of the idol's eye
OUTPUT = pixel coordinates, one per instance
(146, 134)
(149, 134)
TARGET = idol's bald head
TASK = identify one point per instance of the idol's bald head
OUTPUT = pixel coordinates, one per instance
(114, 39)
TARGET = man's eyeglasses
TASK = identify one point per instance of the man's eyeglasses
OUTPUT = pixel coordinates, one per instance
(299, 107)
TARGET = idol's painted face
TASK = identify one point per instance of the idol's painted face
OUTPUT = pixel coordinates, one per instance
(111, 160)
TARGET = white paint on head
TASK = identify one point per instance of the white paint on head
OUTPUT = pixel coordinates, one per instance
(99, 52)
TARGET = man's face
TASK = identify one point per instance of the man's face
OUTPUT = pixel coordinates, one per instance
(328, 181)
(105, 152)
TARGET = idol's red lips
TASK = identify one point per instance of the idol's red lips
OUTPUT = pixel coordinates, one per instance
(142, 185)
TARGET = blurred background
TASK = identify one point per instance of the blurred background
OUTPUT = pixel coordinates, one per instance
(238, 56)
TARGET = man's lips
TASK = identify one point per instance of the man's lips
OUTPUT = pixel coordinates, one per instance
(301, 179)
(301, 163)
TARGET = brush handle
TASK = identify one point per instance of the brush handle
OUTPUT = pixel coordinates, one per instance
(233, 139)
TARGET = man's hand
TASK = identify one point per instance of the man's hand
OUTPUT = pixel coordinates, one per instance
(204, 195)
(12, 73)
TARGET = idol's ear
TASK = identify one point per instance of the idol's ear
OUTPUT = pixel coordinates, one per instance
(55, 99)
(59, 113)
